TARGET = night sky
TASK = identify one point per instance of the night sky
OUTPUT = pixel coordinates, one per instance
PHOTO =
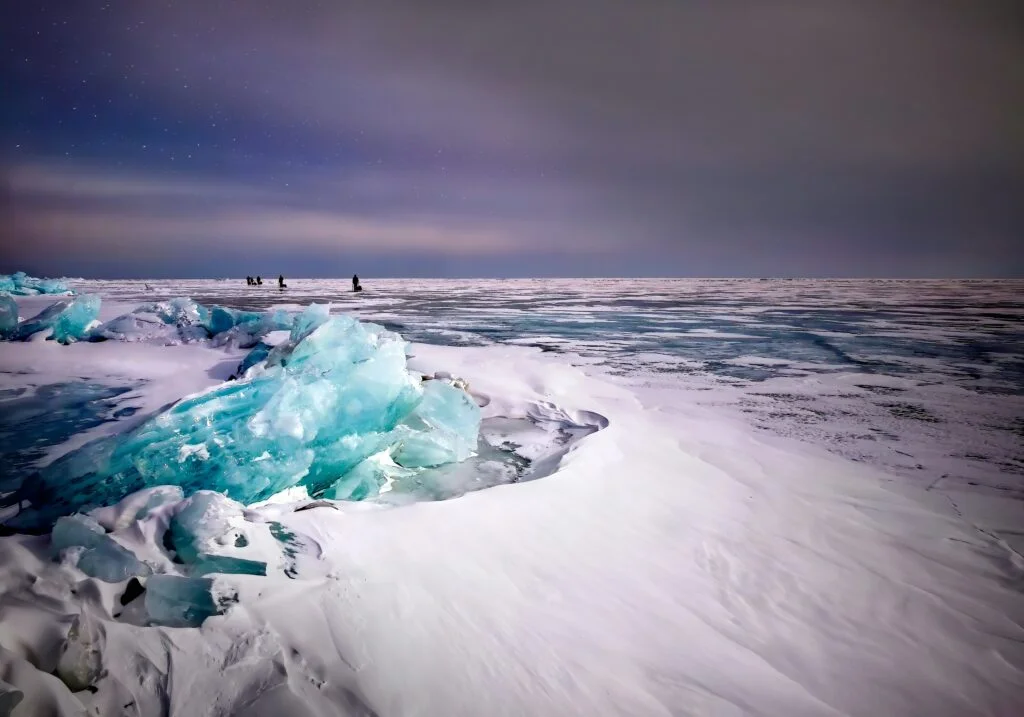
(520, 138)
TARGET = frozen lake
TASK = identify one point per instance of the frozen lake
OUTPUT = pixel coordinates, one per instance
(742, 498)
(922, 378)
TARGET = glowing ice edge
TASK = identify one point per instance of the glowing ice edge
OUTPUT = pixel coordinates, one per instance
(674, 563)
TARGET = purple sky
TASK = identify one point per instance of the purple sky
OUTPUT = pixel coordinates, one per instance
(556, 138)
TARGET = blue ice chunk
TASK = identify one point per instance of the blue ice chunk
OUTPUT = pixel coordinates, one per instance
(21, 284)
(179, 311)
(8, 316)
(41, 321)
(68, 319)
(209, 564)
(204, 521)
(51, 286)
(333, 395)
(222, 319)
(248, 327)
(444, 428)
(258, 354)
(111, 562)
(366, 479)
(312, 317)
(102, 557)
(74, 322)
(309, 321)
(180, 602)
(137, 327)
(279, 320)
(175, 321)
(75, 531)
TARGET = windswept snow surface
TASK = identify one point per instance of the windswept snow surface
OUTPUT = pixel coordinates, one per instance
(684, 531)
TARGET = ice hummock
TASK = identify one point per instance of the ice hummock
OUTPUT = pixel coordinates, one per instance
(336, 393)
(183, 321)
(174, 321)
(21, 284)
(69, 320)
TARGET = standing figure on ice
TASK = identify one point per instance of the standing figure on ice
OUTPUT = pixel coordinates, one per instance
(355, 283)
(280, 282)
(259, 281)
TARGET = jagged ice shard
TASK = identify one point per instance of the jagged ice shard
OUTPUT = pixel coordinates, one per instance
(74, 323)
(336, 393)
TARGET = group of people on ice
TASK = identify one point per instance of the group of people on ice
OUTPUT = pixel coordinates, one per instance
(258, 281)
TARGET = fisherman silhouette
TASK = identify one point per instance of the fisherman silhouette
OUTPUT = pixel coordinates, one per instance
(280, 282)
(259, 281)
(355, 283)
(248, 281)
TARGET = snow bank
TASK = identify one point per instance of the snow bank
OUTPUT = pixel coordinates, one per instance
(671, 563)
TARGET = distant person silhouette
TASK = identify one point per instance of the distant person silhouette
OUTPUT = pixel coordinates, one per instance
(280, 282)
(248, 281)
(259, 281)
(355, 283)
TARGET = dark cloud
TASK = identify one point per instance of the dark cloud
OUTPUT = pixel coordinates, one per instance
(672, 137)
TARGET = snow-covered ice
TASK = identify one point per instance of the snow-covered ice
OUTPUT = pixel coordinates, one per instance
(633, 545)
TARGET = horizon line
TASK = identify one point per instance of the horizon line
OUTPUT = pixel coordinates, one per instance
(554, 278)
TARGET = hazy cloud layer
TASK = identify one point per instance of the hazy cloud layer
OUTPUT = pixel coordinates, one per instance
(663, 137)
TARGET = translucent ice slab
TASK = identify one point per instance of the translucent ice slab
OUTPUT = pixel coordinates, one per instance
(180, 602)
(101, 557)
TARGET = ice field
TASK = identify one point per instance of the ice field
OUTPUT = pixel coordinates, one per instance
(653, 497)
